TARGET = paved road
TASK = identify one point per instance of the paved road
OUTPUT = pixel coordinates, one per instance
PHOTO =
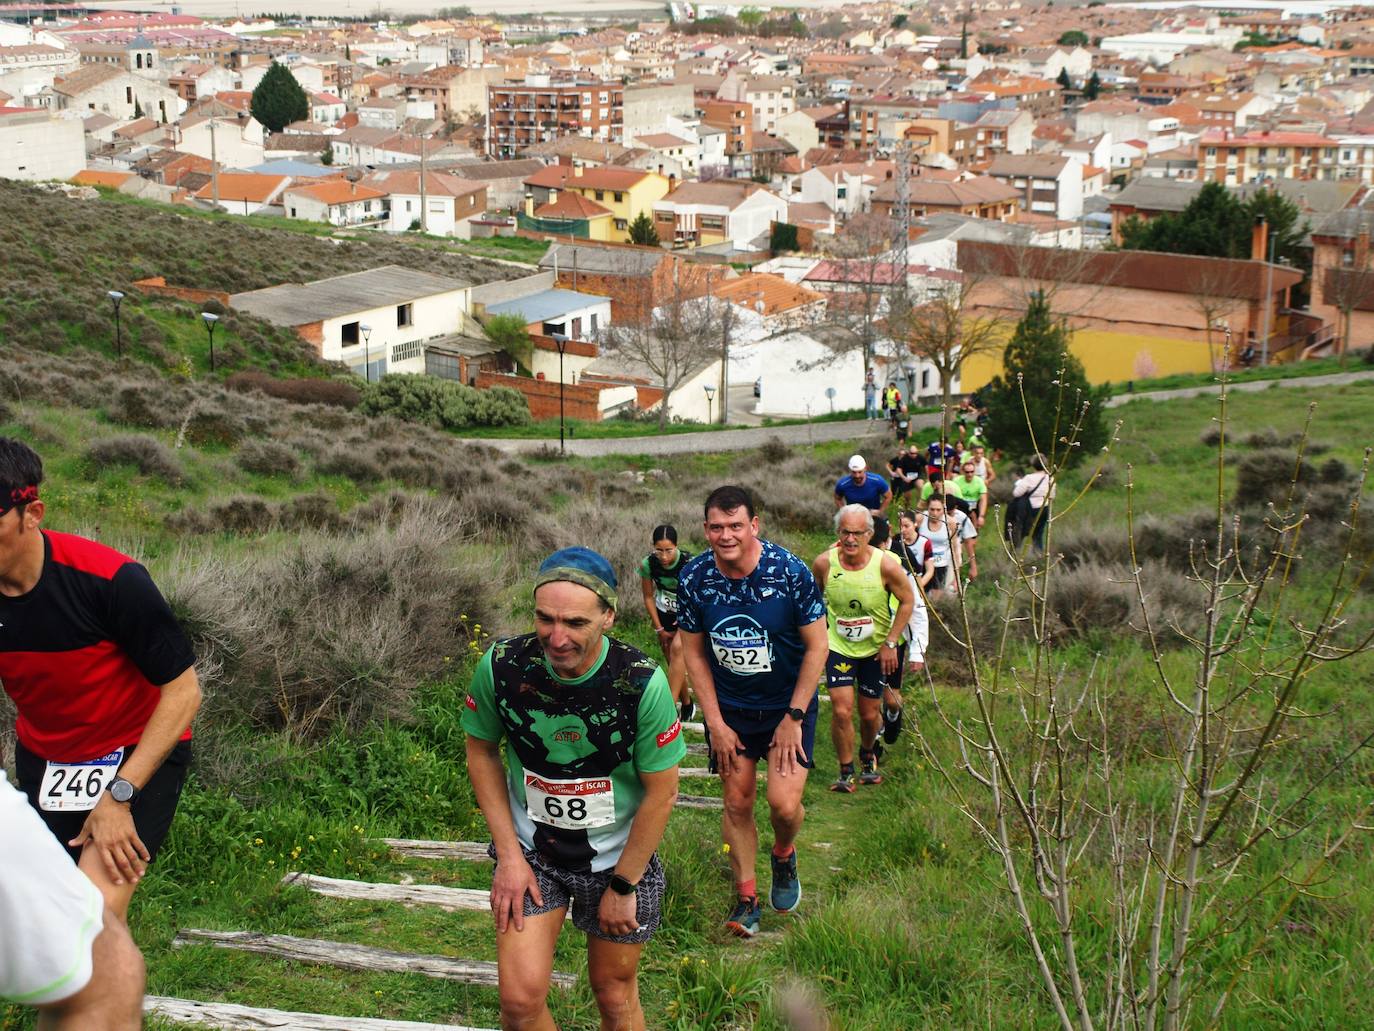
(823, 432)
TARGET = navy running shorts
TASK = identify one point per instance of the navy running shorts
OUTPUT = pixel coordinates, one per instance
(755, 727)
(845, 671)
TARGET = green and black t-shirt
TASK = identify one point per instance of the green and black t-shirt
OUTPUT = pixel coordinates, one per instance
(575, 748)
(664, 579)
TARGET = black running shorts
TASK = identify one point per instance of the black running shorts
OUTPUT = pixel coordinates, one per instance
(152, 810)
(755, 727)
(845, 671)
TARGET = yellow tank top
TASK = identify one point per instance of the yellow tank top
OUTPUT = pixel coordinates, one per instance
(857, 606)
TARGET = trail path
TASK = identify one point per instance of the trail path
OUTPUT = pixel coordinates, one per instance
(825, 432)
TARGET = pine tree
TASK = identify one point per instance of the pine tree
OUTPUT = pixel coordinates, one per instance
(1039, 398)
(1063, 79)
(1093, 87)
(279, 99)
(138, 108)
(642, 230)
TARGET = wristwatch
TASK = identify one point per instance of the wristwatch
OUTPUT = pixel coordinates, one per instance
(797, 714)
(122, 790)
(889, 644)
(622, 885)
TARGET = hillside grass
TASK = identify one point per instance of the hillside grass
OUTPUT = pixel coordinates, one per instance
(905, 921)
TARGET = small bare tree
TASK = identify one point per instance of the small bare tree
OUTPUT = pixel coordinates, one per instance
(1350, 290)
(1040, 768)
(862, 252)
(672, 332)
(948, 329)
(1217, 293)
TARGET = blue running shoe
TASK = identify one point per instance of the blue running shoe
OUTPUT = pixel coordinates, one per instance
(786, 891)
(744, 920)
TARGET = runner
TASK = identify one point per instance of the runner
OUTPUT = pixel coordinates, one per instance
(103, 680)
(593, 744)
(906, 468)
(982, 464)
(862, 487)
(1037, 487)
(940, 456)
(658, 575)
(918, 560)
(974, 493)
(935, 528)
(62, 950)
(864, 635)
(756, 685)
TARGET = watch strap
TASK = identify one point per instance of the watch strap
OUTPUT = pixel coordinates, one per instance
(623, 885)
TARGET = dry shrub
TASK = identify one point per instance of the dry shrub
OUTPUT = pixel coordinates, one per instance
(214, 425)
(1210, 437)
(352, 463)
(1093, 599)
(268, 458)
(788, 505)
(774, 451)
(242, 514)
(1263, 477)
(1268, 437)
(316, 631)
(137, 405)
(317, 511)
(336, 392)
(147, 454)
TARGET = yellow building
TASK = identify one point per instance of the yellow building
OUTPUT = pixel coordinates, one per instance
(609, 199)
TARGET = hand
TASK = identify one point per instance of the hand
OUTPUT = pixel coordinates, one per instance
(110, 831)
(665, 637)
(915, 666)
(786, 747)
(979, 521)
(616, 914)
(887, 660)
(725, 747)
(512, 881)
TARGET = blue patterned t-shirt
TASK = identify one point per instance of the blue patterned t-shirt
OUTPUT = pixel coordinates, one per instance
(752, 625)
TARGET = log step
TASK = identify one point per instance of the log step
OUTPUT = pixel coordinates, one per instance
(452, 899)
(230, 1017)
(350, 956)
(699, 802)
(472, 851)
(696, 728)
(694, 771)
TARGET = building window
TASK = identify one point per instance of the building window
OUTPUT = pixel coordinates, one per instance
(405, 316)
(443, 366)
(621, 224)
(577, 328)
(348, 334)
(600, 194)
(618, 196)
(593, 323)
(128, 94)
(406, 351)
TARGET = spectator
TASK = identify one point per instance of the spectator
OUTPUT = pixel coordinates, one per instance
(1037, 487)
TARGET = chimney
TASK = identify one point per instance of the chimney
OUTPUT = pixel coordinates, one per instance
(1259, 240)
(529, 204)
(577, 171)
(1362, 248)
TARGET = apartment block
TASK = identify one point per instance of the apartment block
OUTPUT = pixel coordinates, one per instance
(540, 109)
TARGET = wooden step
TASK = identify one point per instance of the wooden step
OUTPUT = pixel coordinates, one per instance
(472, 851)
(699, 802)
(453, 899)
(697, 748)
(696, 728)
(350, 956)
(230, 1017)
(694, 771)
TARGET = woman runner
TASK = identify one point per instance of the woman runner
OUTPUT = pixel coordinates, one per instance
(658, 580)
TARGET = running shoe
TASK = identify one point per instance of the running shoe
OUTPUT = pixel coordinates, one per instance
(744, 919)
(786, 890)
(845, 781)
(687, 711)
(892, 724)
(870, 774)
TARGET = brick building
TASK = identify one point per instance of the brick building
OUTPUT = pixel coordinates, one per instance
(539, 110)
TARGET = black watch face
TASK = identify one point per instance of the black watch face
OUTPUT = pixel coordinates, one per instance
(797, 714)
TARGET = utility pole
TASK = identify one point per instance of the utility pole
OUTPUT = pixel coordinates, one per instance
(424, 207)
(214, 166)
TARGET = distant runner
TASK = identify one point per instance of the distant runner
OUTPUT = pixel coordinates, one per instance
(658, 575)
(593, 743)
(864, 637)
(753, 628)
(103, 679)
(918, 563)
(862, 487)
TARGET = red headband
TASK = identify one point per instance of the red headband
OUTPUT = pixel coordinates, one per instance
(22, 496)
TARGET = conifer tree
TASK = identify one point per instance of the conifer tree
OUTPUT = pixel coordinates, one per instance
(642, 230)
(1039, 398)
(279, 99)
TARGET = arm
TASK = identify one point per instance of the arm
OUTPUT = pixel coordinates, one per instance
(1020, 488)
(724, 741)
(110, 825)
(617, 912)
(991, 473)
(513, 876)
(839, 501)
(899, 586)
(646, 588)
(983, 506)
(885, 500)
(786, 747)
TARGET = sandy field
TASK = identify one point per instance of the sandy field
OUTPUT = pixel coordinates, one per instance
(359, 8)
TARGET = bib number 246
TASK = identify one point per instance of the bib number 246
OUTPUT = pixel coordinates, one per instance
(77, 787)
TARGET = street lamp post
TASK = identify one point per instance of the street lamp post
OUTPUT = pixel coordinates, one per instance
(210, 319)
(366, 331)
(115, 297)
(910, 371)
(561, 339)
(710, 396)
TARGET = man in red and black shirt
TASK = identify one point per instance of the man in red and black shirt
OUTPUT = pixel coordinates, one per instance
(104, 681)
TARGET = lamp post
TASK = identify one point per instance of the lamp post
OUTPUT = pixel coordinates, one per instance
(561, 339)
(366, 331)
(210, 319)
(115, 297)
(910, 369)
(710, 396)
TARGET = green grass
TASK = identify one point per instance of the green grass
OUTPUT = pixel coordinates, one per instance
(511, 248)
(905, 921)
(1289, 370)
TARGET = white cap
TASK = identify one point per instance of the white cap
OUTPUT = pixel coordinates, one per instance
(857, 463)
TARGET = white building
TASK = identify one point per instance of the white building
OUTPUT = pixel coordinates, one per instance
(237, 140)
(116, 92)
(338, 202)
(447, 208)
(35, 145)
(378, 321)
